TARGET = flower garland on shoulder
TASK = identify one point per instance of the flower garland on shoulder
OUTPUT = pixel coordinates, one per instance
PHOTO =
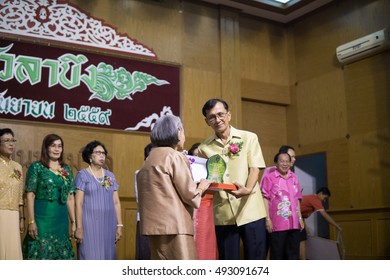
(16, 174)
(234, 149)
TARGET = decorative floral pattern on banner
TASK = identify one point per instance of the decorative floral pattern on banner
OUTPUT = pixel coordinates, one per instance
(61, 21)
(42, 83)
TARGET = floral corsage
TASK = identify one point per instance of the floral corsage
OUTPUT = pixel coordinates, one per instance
(16, 174)
(63, 174)
(106, 183)
(234, 149)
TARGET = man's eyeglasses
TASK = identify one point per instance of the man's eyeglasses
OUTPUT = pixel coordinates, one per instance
(213, 118)
(8, 141)
(99, 153)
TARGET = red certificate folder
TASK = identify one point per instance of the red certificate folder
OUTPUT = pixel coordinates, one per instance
(222, 187)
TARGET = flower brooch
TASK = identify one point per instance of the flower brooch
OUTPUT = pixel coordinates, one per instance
(16, 174)
(234, 149)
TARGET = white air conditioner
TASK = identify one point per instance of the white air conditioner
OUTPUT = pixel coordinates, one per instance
(364, 47)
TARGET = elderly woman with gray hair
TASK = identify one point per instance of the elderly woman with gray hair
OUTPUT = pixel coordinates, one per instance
(168, 194)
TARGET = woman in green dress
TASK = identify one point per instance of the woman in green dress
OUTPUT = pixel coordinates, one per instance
(50, 201)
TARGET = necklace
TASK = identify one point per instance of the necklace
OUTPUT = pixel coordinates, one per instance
(93, 174)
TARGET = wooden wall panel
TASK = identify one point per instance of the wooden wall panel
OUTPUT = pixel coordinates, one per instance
(321, 108)
(265, 92)
(230, 61)
(356, 244)
(382, 241)
(128, 151)
(126, 246)
(269, 123)
(201, 39)
(200, 86)
(264, 52)
(369, 176)
(365, 232)
(337, 164)
(367, 87)
(149, 22)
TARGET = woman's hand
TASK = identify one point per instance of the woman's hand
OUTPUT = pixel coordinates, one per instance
(73, 230)
(118, 234)
(79, 235)
(21, 225)
(33, 230)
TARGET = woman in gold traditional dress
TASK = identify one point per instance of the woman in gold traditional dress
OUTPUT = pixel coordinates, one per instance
(11, 199)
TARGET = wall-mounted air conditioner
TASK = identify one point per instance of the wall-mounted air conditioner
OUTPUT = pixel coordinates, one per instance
(364, 47)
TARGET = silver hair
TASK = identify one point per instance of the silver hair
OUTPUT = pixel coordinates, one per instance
(165, 131)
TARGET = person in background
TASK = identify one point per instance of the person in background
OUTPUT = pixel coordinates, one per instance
(167, 193)
(310, 204)
(205, 239)
(98, 208)
(50, 201)
(11, 199)
(238, 214)
(282, 194)
(283, 149)
(142, 250)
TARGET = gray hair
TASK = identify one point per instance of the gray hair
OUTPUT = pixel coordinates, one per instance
(165, 131)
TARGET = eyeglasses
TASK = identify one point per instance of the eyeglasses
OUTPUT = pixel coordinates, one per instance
(213, 118)
(100, 153)
(8, 141)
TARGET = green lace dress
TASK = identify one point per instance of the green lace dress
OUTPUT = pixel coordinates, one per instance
(51, 214)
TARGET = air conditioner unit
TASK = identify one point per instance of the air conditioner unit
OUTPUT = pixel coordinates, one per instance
(364, 47)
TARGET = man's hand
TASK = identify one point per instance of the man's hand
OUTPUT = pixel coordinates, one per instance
(241, 190)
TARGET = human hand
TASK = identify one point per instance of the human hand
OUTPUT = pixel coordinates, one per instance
(118, 235)
(203, 185)
(301, 223)
(33, 230)
(241, 190)
(79, 235)
(268, 225)
(73, 230)
(21, 225)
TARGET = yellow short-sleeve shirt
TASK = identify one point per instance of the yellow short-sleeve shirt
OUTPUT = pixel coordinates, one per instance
(229, 210)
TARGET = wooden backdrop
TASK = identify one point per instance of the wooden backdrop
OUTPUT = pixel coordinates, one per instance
(282, 82)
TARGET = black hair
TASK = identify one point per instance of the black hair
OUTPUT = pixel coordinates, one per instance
(88, 150)
(211, 103)
(147, 150)
(276, 157)
(285, 148)
(193, 148)
(324, 190)
(6, 131)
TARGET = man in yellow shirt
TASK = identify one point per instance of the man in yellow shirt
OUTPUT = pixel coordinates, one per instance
(238, 214)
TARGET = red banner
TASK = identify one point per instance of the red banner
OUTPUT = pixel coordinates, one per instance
(51, 84)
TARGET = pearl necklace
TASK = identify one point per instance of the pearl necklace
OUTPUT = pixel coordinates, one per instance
(93, 174)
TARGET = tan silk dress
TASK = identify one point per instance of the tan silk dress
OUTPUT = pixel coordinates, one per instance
(11, 196)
